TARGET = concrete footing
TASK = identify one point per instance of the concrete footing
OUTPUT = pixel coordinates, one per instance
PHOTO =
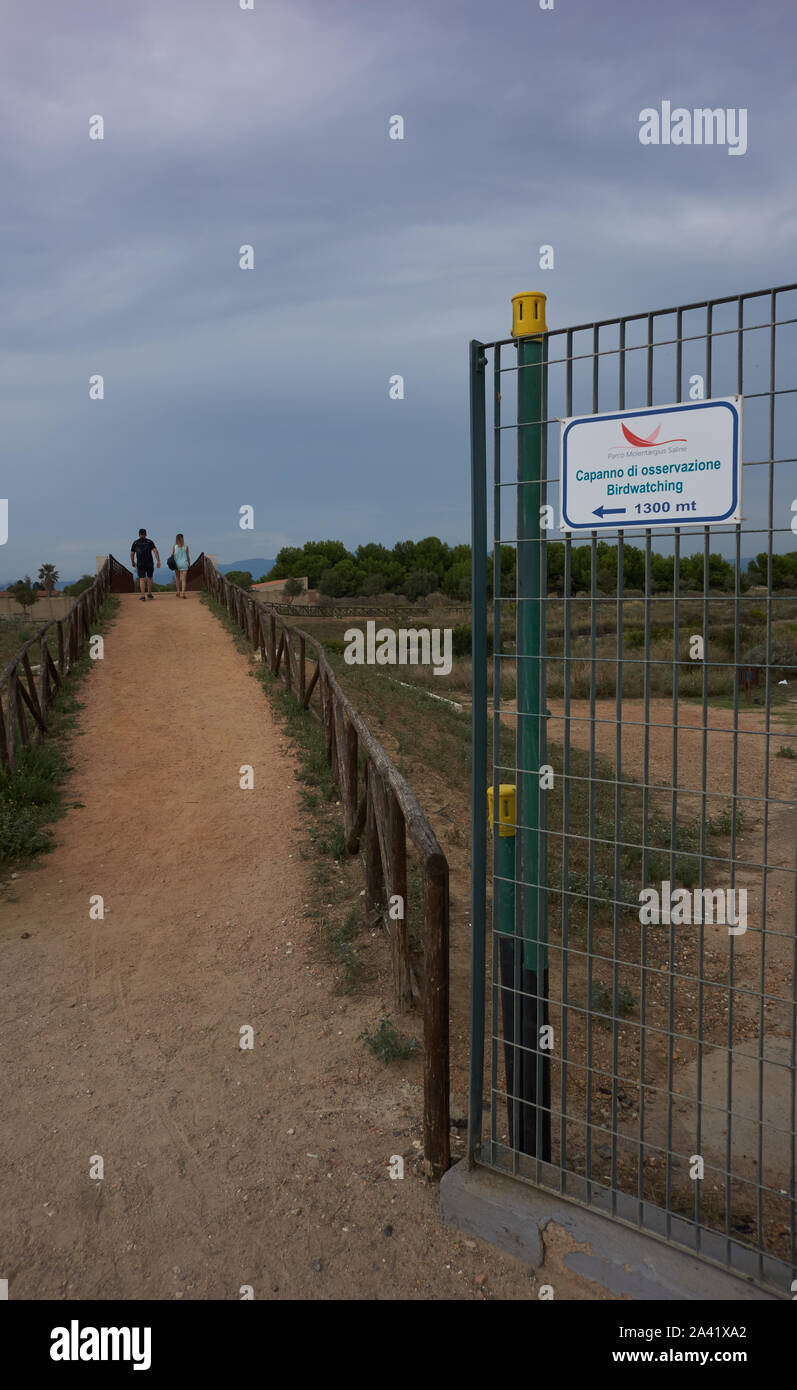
(513, 1216)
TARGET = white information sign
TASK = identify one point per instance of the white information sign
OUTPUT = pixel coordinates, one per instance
(671, 465)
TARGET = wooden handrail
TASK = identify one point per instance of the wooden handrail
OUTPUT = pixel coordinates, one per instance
(380, 810)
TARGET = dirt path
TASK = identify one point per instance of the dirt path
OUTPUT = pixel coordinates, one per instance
(119, 1037)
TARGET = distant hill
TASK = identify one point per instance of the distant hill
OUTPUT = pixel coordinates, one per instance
(255, 567)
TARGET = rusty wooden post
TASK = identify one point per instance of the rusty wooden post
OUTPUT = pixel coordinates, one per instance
(436, 1117)
(4, 760)
(54, 677)
(12, 719)
(302, 676)
(393, 847)
(346, 741)
(21, 721)
(33, 699)
(374, 892)
(329, 729)
(286, 637)
(322, 695)
(311, 687)
(397, 839)
(44, 674)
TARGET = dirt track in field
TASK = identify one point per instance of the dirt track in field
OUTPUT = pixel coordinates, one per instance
(119, 1037)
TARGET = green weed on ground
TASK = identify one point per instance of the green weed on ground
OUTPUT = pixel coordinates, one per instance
(387, 1044)
(602, 1002)
(340, 938)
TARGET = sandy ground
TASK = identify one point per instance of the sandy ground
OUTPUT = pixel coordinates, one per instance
(748, 749)
(119, 1037)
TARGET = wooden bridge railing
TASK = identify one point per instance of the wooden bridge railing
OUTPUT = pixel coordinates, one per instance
(379, 812)
(23, 698)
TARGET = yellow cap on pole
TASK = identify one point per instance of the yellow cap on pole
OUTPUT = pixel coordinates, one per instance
(506, 808)
(528, 315)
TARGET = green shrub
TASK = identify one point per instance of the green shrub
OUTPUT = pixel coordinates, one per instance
(30, 796)
(21, 836)
(602, 1001)
(387, 1044)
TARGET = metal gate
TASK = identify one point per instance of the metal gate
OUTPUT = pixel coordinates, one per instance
(636, 721)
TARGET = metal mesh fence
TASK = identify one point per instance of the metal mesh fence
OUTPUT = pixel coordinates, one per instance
(639, 1047)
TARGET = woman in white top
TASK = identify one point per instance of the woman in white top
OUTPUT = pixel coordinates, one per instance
(182, 560)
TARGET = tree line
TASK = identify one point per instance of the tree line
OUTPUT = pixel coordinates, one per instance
(415, 569)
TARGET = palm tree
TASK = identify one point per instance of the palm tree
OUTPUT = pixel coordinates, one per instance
(48, 578)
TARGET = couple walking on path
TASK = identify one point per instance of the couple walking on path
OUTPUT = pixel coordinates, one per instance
(141, 553)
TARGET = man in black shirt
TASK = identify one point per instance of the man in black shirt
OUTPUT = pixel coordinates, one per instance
(141, 552)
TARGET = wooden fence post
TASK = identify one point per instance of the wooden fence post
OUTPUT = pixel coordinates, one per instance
(329, 730)
(44, 674)
(397, 838)
(436, 1117)
(393, 847)
(33, 699)
(21, 721)
(346, 746)
(4, 760)
(12, 719)
(374, 891)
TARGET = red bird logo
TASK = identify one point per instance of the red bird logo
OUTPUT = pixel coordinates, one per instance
(648, 443)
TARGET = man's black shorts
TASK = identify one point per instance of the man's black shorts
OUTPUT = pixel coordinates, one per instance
(146, 571)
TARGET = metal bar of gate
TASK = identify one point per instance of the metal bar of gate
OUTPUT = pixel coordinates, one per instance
(479, 742)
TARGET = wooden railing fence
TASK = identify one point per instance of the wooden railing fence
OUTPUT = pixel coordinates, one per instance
(25, 701)
(380, 812)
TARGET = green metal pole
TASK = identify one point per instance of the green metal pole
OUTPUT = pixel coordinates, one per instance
(529, 636)
(534, 1069)
(504, 889)
(478, 459)
(503, 826)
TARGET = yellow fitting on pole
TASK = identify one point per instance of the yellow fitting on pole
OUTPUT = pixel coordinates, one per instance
(528, 315)
(506, 808)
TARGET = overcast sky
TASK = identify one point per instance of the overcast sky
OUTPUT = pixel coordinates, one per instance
(373, 256)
